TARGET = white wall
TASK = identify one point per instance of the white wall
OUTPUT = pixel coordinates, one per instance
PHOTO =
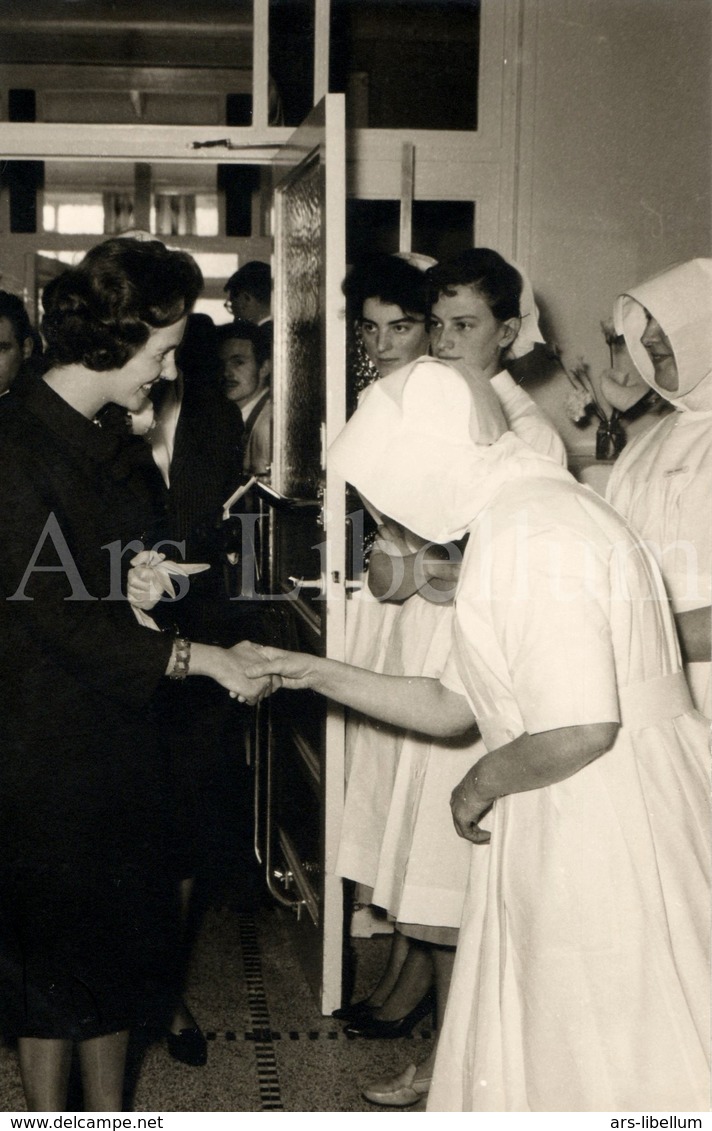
(617, 156)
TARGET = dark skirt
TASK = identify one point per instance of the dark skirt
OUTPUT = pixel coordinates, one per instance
(82, 953)
(90, 937)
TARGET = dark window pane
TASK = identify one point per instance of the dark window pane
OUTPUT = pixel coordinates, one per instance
(372, 226)
(238, 110)
(238, 182)
(439, 227)
(23, 180)
(291, 60)
(407, 64)
(442, 228)
(21, 105)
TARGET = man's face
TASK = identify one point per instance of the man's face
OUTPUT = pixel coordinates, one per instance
(242, 377)
(12, 354)
(242, 305)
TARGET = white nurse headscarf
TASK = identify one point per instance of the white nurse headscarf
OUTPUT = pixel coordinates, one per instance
(529, 333)
(680, 300)
(424, 451)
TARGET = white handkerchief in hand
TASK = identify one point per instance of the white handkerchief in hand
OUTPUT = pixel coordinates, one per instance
(162, 570)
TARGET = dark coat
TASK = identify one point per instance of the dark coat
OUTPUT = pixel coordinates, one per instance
(83, 845)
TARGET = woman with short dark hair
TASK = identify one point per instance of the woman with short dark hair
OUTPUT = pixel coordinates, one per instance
(87, 916)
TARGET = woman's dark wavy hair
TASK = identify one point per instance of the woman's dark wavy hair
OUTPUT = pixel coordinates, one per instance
(101, 312)
(392, 280)
(497, 281)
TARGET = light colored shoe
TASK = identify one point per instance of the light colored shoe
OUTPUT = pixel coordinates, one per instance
(400, 1091)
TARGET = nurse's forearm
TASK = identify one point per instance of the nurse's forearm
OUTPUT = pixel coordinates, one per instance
(694, 629)
(417, 703)
(532, 761)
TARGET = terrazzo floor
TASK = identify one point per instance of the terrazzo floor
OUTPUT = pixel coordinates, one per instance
(267, 1051)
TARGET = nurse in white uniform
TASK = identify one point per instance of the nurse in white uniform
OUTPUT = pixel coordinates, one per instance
(581, 981)
(662, 483)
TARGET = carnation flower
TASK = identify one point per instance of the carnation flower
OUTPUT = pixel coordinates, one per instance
(577, 404)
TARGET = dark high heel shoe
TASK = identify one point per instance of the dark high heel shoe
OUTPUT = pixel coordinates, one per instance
(373, 1029)
(355, 1011)
(189, 1046)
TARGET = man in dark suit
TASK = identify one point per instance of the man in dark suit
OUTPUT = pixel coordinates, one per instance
(196, 438)
(249, 294)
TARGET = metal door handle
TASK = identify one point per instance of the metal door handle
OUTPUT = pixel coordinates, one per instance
(317, 583)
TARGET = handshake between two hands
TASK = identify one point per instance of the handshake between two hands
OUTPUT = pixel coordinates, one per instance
(255, 671)
(250, 672)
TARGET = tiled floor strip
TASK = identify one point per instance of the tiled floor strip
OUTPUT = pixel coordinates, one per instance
(267, 1076)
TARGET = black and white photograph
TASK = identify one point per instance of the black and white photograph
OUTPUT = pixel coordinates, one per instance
(355, 560)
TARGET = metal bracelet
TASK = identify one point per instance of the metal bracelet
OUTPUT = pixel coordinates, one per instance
(181, 659)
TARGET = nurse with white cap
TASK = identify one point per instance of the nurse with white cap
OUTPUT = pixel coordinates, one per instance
(662, 483)
(581, 981)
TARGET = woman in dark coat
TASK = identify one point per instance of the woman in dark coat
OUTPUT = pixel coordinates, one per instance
(86, 891)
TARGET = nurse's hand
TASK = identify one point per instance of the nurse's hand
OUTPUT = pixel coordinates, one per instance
(468, 808)
(241, 687)
(436, 569)
(296, 670)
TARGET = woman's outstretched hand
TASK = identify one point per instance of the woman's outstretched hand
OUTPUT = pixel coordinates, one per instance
(468, 808)
(296, 670)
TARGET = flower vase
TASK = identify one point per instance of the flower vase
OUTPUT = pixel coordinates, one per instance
(610, 437)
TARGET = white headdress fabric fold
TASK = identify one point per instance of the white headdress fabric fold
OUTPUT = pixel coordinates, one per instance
(416, 259)
(529, 334)
(422, 447)
(680, 300)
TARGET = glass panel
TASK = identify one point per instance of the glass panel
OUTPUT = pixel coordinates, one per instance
(298, 432)
(206, 214)
(126, 34)
(118, 212)
(78, 213)
(173, 214)
(291, 60)
(131, 107)
(103, 63)
(406, 64)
